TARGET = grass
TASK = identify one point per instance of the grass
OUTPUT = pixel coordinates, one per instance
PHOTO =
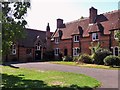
(47, 80)
(86, 65)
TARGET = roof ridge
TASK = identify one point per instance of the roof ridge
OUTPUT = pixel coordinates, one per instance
(109, 12)
(76, 20)
(35, 30)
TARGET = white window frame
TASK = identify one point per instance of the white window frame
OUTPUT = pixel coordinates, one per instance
(56, 51)
(115, 37)
(94, 36)
(56, 40)
(13, 49)
(75, 52)
(113, 48)
(76, 38)
(38, 47)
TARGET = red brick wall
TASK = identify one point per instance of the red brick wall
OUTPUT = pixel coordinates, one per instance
(113, 41)
(23, 57)
(86, 43)
(64, 44)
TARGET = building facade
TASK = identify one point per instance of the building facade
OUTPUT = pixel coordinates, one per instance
(76, 37)
(32, 47)
(70, 39)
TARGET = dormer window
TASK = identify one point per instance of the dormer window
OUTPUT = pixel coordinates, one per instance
(94, 36)
(56, 40)
(76, 38)
(13, 50)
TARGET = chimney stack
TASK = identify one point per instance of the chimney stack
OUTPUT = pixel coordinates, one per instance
(93, 15)
(59, 23)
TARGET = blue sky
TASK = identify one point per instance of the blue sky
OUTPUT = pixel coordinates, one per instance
(47, 11)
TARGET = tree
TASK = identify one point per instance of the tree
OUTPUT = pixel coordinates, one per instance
(13, 23)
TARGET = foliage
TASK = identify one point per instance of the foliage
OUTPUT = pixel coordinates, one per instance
(94, 48)
(75, 58)
(85, 58)
(112, 60)
(47, 80)
(99, 56)
(67, 58)
(13, 22)
(118, 36)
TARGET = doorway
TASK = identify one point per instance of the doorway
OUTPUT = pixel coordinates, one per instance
(65, 52)
(37, 55)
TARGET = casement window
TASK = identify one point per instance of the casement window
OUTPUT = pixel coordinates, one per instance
(56, 40)
(94, 36)
(76, 51)
(56, 51)
(13, 49)
(28, 51)
(76, 38)
(38, 46)
(116, 50)
(115, 34)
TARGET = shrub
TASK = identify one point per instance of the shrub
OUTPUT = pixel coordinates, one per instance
(112, 60)
(67, 58)
(99, 56)
(85, 58)
(75, 58)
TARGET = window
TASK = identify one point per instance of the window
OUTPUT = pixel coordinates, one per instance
(56, 40)
(116, 51)
(76, 51)
(94, 36)
(13, 50)
(115, 34)
(76, 38)
(56, 51)
(38, 46)
(29, 51)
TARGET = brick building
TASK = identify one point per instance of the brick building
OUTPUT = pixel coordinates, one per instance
(70, 39)
(32, 47)
(76, 37)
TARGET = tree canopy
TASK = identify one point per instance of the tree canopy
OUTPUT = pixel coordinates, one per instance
(13, 22)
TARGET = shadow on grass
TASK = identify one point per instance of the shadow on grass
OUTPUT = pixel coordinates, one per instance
(11, 82)
(7, 64)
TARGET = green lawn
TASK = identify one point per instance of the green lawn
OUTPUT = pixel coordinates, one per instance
(85, 65)
(47, 80)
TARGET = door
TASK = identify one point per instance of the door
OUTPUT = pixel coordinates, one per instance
(65, 52)
(37, 55)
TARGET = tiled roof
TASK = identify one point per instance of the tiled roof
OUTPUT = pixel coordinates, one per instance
(108, 21)
(31, 37)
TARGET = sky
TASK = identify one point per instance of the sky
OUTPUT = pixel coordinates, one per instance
(47, 11)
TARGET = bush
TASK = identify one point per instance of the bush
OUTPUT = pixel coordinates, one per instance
(99, 56)
(85, 58)
(67, 58)
(112, 60)
(75, 58)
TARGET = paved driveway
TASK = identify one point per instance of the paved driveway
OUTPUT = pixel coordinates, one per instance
(109, 78)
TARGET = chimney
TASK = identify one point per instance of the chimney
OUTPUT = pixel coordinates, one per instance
(93, 15)
(48, 38)
(59, 23)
